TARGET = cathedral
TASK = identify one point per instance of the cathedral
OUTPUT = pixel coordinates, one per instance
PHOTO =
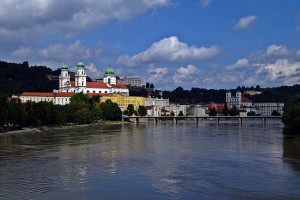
(68, 88)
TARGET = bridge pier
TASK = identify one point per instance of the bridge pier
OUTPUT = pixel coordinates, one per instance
(156, 120)
(218, 120)
(136, 121)
(175, 120)
(240, 120)
(264, 120)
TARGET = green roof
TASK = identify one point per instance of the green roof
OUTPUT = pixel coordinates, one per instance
(64, 67)
(109, 71)
(80, 65)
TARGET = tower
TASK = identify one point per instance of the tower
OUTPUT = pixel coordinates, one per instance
(64, 79)
(109, 76)
(80, 78)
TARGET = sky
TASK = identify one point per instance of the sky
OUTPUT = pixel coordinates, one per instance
(213, 44)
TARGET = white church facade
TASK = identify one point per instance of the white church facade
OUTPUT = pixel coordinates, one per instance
(68, 88)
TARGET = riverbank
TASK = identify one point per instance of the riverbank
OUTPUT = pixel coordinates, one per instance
(45, 129)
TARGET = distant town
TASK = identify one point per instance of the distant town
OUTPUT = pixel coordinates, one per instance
(112, 87)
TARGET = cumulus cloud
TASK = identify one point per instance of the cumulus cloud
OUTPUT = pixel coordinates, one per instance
(277, 50)
(57, 53)
(37, 17)
(169, 50)
(188, 73)
(92, 70)
(245, 22)
(281, 68)
(158, 74)
(205, 3)
(240, 64)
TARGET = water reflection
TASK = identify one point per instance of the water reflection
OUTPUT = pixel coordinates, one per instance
(151, 161)
(291, 152)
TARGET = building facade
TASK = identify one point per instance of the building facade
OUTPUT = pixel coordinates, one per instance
(124, 101)
(157, 102)
(68, 88)
(266, 108)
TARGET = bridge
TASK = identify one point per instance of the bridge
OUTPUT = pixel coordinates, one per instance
(156, 119)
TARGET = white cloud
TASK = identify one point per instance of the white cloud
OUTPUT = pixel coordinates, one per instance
(157, 74)
(229, 78)
(32, 18)
(205, 3)
(281, 68)
(185, 74)
(240, 64)
(92, 71)
(57, 53)
(169, 50)
(245, 22)
(277, 50)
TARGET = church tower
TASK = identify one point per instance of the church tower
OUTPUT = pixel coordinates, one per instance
(64, 79)
(109, 76)
(80, 78)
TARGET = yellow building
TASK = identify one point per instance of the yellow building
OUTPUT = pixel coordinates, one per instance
(124, 101)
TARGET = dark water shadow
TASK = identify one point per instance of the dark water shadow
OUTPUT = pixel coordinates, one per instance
(291, 152)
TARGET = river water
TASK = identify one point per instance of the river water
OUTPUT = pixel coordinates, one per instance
(152, 161)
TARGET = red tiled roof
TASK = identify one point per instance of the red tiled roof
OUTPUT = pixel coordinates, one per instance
(96, 85)
(97, 94)
(245, 99)
(119, 85)
(38, 94)
(64, 94)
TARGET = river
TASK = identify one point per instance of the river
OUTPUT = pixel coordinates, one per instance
(152, 161)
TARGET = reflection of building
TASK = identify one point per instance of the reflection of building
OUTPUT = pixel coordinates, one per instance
(68, 88)
(124, 101)
(267, 108)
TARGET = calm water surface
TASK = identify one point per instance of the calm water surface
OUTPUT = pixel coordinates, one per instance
(148, 161)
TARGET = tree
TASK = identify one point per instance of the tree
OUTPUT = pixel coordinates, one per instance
(291, 117)
(275, 113)
(251, 113)
(233, 111)
(225, 110)
(3, 109)
(110, 111)
(142, 111)
(151, 85)
(257, 88)
(130, 109)
(213, 112)
(79, 98)
(147, 85)
(83, 116)
(180, 113)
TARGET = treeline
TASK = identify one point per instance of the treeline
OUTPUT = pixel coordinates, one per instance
(201, 95)
(81, 110)
(16, 78)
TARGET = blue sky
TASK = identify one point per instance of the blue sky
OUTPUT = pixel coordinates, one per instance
(171, 43)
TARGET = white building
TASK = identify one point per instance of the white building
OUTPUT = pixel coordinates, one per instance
(157, 102)
(266, 108)
(237, 100)
(197, 111)
(176, 109)
(68, 88)
(132, 81)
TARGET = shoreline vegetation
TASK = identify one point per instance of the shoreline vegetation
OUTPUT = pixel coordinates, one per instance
(45, 129)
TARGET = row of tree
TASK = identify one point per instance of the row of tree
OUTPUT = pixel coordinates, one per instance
(81, 110)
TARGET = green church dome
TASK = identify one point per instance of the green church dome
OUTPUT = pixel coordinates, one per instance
(80, 65)
(109, 71)
(64, 67)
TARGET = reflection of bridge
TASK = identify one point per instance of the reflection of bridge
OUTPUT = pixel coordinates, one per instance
(216, 118)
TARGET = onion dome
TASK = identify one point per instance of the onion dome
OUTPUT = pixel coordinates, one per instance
(64, 67)
(109, 71)
(80, 65)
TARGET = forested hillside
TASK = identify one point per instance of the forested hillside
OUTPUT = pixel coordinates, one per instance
(17, 78)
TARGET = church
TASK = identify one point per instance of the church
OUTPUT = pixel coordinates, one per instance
(68, 88)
